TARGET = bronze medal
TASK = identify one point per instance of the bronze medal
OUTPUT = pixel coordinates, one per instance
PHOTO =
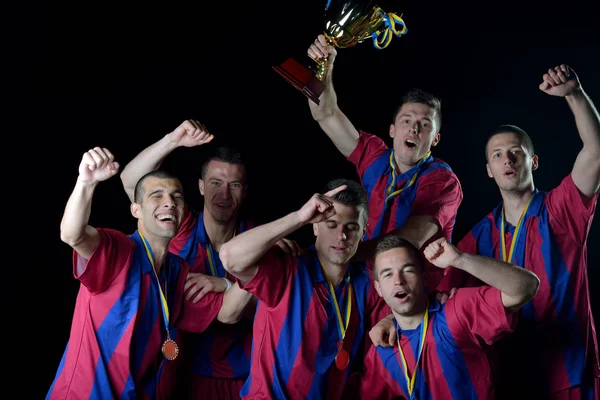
(342, 359)
(170, 349)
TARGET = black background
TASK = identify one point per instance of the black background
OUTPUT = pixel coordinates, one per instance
(122, 76)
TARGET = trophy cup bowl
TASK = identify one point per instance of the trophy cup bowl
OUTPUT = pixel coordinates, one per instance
(347, 23)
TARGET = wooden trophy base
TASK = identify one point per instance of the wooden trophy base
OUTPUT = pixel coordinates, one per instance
(301, 78)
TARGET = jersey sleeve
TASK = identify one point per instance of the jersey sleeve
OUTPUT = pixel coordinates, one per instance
(185, 231)
(572, 209)
(368, 149)
(439, 195)
(273, 277)
(110, 260)
(477, 316)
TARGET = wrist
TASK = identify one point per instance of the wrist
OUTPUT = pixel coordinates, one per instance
(169, 142)
(575, 95)
(461, 261)
(228, 283)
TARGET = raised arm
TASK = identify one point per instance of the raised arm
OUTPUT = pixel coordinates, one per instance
(241, 254)
(97, 165)
(189, 134)
(562, 81)
(331, 119)
(518, 285)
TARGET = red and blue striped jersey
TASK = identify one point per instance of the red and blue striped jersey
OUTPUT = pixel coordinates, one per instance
(295, 339)
(114, 348)
(223, 350)
(436, 192)
(555, 345)
(453, 364)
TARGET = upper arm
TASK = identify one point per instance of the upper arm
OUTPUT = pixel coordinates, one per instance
(341, 131)
(586, 172)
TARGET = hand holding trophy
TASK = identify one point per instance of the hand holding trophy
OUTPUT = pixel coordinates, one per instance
(347, 23)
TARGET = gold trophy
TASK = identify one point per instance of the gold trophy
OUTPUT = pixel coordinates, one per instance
(347, 23)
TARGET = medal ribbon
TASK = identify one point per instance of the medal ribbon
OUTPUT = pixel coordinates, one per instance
(410, 381)
(211, 257)
(163, 300)
(515, 236)
(388, 193)
(342, 327)
(382, 38)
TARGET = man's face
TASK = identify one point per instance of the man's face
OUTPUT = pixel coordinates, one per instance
(162, 207)
(400, 280)
(223, 188)
(338, 237)
(509, 162)
(414, 132)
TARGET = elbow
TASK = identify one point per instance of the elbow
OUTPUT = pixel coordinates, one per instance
(227, 260)
(531, 289)
(70, 238)
(322, 112)
(229, 318)
(126, 182)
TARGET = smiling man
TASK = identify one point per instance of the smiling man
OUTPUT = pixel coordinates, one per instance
(411, 193)
(217, 361)
(131, 292)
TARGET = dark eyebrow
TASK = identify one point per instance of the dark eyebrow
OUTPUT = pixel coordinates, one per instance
(159, 190)
(410, 115)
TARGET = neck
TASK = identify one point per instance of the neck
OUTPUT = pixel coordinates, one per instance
(413, 320)
(514, 202)
(401, 168)
(159, 247)
(218, 232)
(335, 272)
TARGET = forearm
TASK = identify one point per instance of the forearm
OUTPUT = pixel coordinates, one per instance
(235, 302)
(586, 119)
(327, 100)
(517, 284)
(74, 229)
(244, 250)
(333, 121)
(150, 159)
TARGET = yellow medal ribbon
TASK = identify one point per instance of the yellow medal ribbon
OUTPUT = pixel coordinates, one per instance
(211, 261)
(410, 380)
(163, 300)
(342, 327)
(382, 38)
(389, 193)
(515, 236)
